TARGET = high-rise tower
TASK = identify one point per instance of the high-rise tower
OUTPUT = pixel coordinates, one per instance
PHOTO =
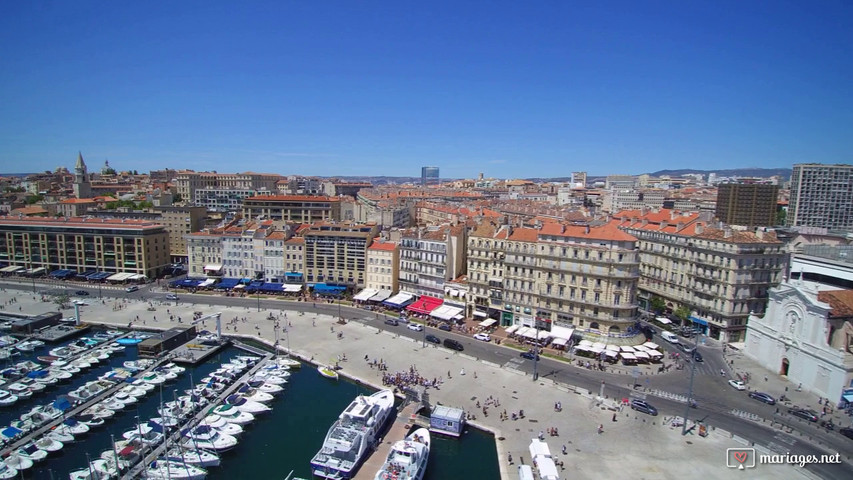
(821, 196)
(82, 187)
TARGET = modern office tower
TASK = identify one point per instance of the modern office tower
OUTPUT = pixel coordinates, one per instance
(93, 245)
(747, 204)
(293, 208)
(336, 253)
(821, 196)
(429, 175)
(82, 186)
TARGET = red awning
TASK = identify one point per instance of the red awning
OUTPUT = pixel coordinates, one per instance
(425, 304)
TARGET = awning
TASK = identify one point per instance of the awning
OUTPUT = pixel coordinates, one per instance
(611, 353)
(116, 278)
(652, 345)
(38, 271)
(11, 268)
(627, 356)
(848, 397)
(452, 292)
(559, 341)
(585, 343)
(213, 268)
(488, 322)
(663, 320)
(400, 300)
(227, 283)
(562, 332)
(627, 349)
(381, 296)
(365, 294)
(137, 276)
(641, 354)
(511, 329)
(289, 287)
(599, 346)
(480, 314)
(653, 353)
(425, 304)
(698, 320)
(445, 312)
(207, 283)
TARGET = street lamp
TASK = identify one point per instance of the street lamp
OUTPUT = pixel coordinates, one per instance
(690, 388)
(536, 354)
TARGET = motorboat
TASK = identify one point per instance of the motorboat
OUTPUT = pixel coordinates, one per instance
(353, 435)
(10, 433)
(60, 435)
(194, 456)
(265, 386)
(7, 472)
(328, 372)
(150, 433)
(408, 458)
(33, 385)
(137, 365)
(287, 362)
(172, 470)
(72, 369)
(168, 422)
(90, 420)
(154, 378)
(232, 414)
(32, 451)
(61, 352)
(100, 411)
(245, 405)
(81, 363)
(208, 438)
(7, 398)
(146, 387)
(26, 346)
(125, 398)
(174, 368)
(48, 359)
(254, 395)
(49, 445)
(19, 389)
(133, 391)
(222, 425)
(74, 426)
(59, 374)
(97, 469)
(113, 404)
(273, 378)
(18, 462)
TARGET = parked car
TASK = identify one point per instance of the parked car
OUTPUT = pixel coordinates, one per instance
(737, 384)
(642, 406)
(171, 296)
(80, 302)
(391, 321)
(416, 327)
(809, 415)
(529, 355)
(433, 339)
(81, 293)
(763, 397)
(453, 344)
(444, 327)
(483, 337)
(131, 288)
(698, 357)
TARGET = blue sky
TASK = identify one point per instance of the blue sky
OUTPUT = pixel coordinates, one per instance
(510, 89)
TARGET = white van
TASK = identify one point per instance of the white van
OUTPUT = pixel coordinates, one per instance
(669, 337)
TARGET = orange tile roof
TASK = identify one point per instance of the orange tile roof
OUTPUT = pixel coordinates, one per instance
(295, 240)
(524, 235)
(277, 236)
(840, 301)
(79, 200)
(387, 246)
(609, 231)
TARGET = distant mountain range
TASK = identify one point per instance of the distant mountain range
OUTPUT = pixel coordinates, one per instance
(733, 172)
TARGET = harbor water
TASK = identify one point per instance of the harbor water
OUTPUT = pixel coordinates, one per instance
(277, 443)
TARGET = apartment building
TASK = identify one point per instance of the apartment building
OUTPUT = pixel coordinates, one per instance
(721, 275)
(293, 208)
(187, 182)
(336, 253)
(618, 199)
(180, 222)
(821, 196)
(747, 204)
(81, 244)
(431, 256)
(225, 199)
(294, 259)
(572, 277)
(383, 262)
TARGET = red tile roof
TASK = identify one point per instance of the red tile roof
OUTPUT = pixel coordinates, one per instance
(840, 301)
(387, 246)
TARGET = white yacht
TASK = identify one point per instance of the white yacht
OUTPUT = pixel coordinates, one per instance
(7, 398)
(353, 435)
(49, 445)
(244, 405)
(254, 395)
(208, 438)
(95, 470)
(222, 425)
(172, 470)
(18, 462)
(265, 387)
(7, 472)
(74, 427)
(32, 451)
(232, 414)
(195, 456)
(408, 458)
(60, 435)
(150, 433)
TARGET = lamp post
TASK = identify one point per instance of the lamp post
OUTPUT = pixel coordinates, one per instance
(536, 354)
(690, 387)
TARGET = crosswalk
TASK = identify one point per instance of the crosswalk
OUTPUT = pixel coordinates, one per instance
(513, 363)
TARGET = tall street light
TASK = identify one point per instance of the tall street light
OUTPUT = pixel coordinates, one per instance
(690, 388)
(536, 354)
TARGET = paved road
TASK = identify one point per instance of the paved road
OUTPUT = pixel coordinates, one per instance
(717, 400)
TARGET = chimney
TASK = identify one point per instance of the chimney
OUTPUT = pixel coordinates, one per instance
(664, 224)
(673, 214)
(759, 232)
(699, 228)
(727, 232)
(679, 226)
(587, 229)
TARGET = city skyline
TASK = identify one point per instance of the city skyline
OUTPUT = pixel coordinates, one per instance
(509, 90)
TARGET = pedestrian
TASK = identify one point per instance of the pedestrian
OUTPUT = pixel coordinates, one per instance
(600, 428)
(509, 457)
(614, 416)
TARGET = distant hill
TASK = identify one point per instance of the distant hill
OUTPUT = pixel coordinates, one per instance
(735, 172)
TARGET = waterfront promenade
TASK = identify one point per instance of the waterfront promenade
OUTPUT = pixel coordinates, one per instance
(635, 446)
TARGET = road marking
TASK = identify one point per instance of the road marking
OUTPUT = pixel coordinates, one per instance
(513, 364)
(785, 439)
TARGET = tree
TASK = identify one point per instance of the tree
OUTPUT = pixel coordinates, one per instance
(683, 313)
(781, 216)
(657, 304)
(33, 199)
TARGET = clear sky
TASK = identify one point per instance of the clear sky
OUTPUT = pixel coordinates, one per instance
(507, 88)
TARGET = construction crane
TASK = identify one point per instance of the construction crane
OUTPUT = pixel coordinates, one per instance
(218, 316)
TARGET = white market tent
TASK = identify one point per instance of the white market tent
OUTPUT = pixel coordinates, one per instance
(611, 353)
(488, 322)
(626, 348)
(480, 314)
(511, 329)
(641, 355)
(547, 468)
(614, 348)
(559, 341)
(446, 312)
(538, 448)
(652, 345)
(627, 356)
(654, 354)
(365, 294)
(586, 343)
